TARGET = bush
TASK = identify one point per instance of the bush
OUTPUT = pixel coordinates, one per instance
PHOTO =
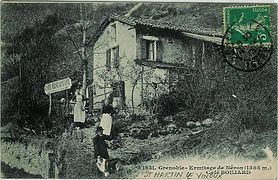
(120, 125)
(169, 104)
(189, 106)
(76, 160)
(137, 117)
(258, 118)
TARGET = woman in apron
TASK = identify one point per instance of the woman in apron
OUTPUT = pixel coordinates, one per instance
(79, 110)
(106, 119)
(79, 116)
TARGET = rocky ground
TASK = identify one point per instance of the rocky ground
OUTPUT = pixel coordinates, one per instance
(140, 143)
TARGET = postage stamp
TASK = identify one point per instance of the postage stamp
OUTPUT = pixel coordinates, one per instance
(247, 25)
(247, 42)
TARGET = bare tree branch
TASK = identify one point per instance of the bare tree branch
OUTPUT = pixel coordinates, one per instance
(74, 44)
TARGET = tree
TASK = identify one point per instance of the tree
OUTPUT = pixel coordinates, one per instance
(30, 52)
(81, 35)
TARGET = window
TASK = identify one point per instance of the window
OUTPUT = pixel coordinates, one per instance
(113, 32)
(115, 57)
(112, 55)
(151, 48)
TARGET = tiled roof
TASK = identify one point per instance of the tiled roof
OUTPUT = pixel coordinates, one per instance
(165, 25)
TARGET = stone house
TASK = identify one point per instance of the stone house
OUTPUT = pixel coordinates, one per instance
(137, 59)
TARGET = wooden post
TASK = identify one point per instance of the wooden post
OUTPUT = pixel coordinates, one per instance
(51, 167)
(50, 104)
(67, 102)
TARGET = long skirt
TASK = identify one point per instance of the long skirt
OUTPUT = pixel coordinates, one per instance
(79, 115)
(106, 123)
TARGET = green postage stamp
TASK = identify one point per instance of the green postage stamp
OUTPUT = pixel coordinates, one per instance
(247, 41)
(247, 25)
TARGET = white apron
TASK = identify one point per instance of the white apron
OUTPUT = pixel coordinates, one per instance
(79, 115)
(106, 123)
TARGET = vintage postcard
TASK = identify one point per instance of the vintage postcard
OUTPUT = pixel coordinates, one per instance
(138, 90)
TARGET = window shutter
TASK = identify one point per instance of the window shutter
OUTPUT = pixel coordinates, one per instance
(116, 57)
(159, 50)
(143, 49)
(108, 60)
(114, 32)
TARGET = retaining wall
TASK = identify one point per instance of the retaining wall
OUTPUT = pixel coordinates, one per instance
(34, 158)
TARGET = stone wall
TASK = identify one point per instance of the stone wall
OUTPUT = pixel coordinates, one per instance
(69, 156)
(34, 158)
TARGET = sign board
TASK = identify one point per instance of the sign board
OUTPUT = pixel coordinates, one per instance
(57, 86)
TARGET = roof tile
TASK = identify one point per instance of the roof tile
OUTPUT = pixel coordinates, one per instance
(165, 25)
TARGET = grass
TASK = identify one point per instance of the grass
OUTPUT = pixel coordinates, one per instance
(224, 142)
(8, 172)
(223, 154)
(221, 143)
(246, 149)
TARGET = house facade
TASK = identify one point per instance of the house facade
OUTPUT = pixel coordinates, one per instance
(138, 59)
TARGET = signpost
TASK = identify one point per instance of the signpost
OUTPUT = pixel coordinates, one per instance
(56, 86)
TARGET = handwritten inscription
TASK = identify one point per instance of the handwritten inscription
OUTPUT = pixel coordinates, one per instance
(198, 172)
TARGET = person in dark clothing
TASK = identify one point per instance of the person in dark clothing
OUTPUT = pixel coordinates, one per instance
(100, 145)
(101, 153)
(107, 108)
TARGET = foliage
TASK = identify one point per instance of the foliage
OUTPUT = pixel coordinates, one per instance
(230, 138)
(34, 51)
(120, 125)
(170, 104)
(76, 160)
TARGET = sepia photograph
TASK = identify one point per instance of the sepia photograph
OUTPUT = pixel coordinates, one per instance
(138, 90)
